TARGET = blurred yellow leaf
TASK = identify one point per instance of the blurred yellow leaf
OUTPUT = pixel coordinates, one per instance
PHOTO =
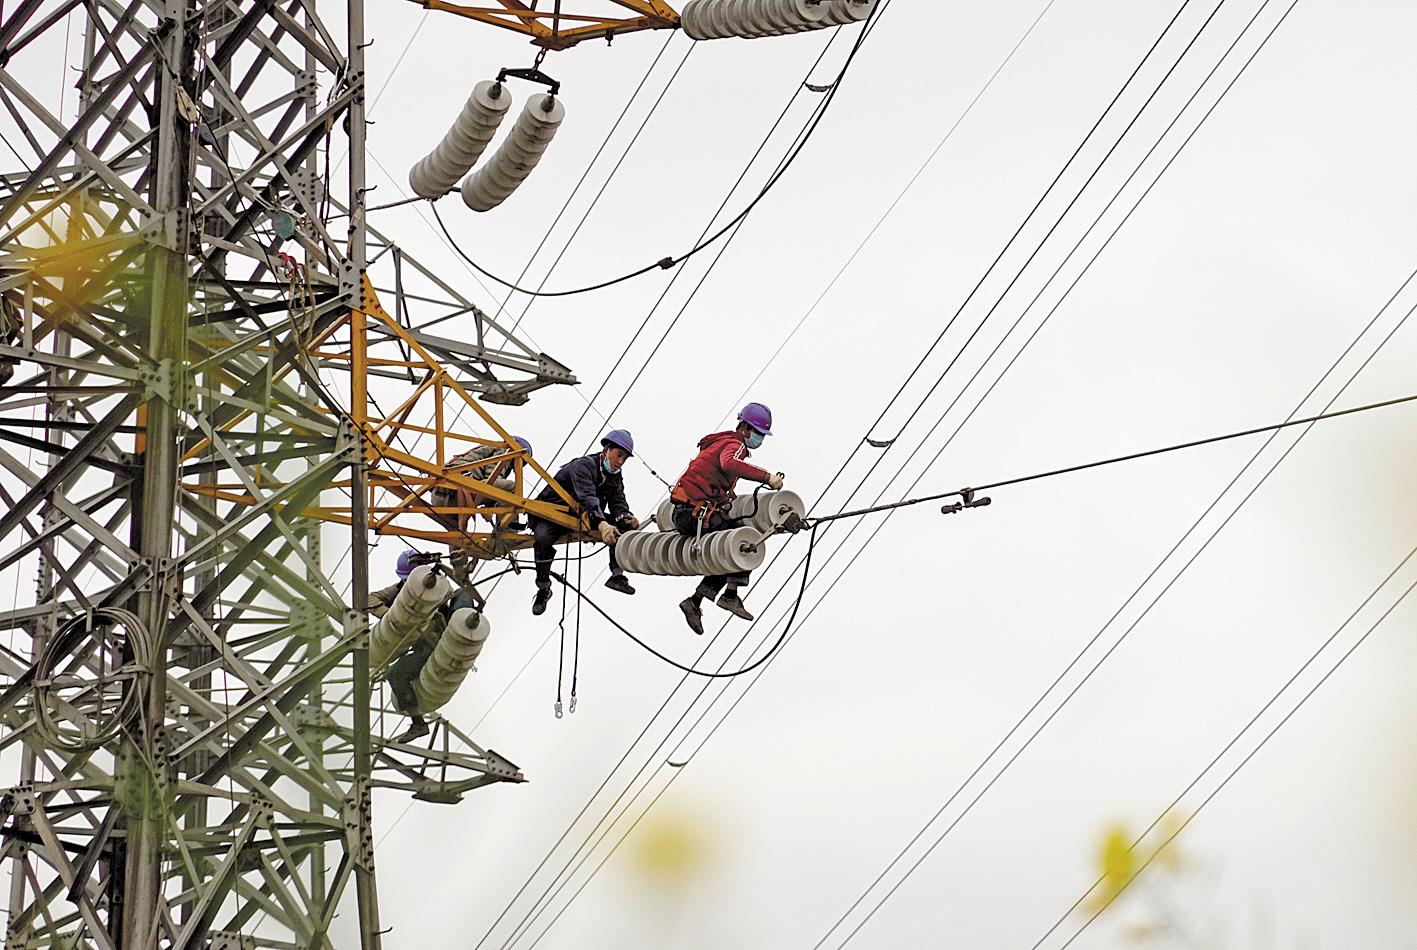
(672, 848)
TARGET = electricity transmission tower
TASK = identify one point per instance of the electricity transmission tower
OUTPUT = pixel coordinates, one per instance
(190, 326)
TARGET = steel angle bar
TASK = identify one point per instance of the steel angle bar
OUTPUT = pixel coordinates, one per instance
(319, 473)
(317, 783)
(297, 683)
(45, 486)
(298, 911)
(268, 150)
(69, 876)
(315, 478)
(69, 141)
(59, 529)
(220, 881)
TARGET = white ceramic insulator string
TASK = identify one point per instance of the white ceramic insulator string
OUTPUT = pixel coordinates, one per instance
(665, 554)
(751, 19)
(408, 616)
(505, 171)
(843, 12)
(457, 650)
(438, 172)
(764, 511)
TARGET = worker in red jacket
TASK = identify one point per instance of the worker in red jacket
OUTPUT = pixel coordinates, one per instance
(703, 498)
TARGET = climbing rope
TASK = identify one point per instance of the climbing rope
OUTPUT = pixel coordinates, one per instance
(561, 653)
(576, 656)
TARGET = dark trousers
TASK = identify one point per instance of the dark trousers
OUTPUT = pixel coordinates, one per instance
(404, 672)
(547, 534)
(687, 525)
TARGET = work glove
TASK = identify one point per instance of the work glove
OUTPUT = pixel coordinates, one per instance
(775, 482)
(608, 533)
(630, 523)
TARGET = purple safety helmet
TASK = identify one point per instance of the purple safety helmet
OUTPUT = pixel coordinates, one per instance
(758, 417)
(523, 443)
(621, 439)
(405, 564)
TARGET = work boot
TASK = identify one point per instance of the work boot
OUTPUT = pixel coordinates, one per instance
(693, 615)
(731, 603)
(621, 583)
(416, 728)
(543, 597)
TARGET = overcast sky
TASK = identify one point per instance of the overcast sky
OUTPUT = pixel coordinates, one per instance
(1261, 254)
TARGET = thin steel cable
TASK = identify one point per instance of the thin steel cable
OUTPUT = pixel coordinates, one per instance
(1012, 239)
(916, 369)
(1245, 761)
(1215, 760)
(1083, 652)
(910, 184)
(656, 797)
(675, 260)
(949, 134)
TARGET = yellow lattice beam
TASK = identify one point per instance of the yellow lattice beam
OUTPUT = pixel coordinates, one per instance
(552, 26)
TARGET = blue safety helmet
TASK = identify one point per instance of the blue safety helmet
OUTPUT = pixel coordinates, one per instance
(758, 417)
(405, 564)
(523, 443)
(621, 439)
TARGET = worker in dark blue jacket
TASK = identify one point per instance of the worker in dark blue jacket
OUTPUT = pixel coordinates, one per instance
(594, 481)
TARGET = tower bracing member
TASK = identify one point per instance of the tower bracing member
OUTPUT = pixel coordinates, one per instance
(596, 484)
(703, 497)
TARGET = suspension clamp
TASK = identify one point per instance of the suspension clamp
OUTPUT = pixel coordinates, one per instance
(967, 500)
(533, 74)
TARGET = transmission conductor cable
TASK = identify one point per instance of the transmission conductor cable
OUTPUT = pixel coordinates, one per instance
(1042, 199)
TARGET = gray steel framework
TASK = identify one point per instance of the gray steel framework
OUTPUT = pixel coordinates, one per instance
(186, 694)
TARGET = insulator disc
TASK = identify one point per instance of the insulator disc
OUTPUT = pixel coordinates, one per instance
(438, 172)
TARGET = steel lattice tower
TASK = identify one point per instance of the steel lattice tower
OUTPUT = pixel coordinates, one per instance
(191, 320)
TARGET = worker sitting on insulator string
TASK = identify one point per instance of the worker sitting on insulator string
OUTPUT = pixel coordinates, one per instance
(498, 475)
(594, 481)
(409, 662)
(703, 497)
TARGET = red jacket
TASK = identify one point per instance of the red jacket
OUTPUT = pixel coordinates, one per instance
(716, 469)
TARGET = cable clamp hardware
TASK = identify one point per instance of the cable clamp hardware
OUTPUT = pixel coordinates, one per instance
(967, 500)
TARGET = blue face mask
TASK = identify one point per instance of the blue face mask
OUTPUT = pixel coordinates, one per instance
(605, 463)
(755, 440)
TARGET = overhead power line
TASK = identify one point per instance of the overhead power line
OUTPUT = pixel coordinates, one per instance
(754, 681)
(967, 493)
(1114, 461)
(1234, 741)
(840, 471)
(675, 260)
(1253, 752)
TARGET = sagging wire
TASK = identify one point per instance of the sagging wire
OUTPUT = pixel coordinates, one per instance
(672, 261)
(786, 630)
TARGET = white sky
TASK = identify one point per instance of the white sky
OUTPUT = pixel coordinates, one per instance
(1260, 255)
(1257, 259)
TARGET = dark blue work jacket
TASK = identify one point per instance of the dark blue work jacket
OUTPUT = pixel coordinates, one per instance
(593, 488)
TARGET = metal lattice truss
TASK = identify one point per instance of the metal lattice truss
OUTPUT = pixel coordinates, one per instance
(551, 24)
(189, 328)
